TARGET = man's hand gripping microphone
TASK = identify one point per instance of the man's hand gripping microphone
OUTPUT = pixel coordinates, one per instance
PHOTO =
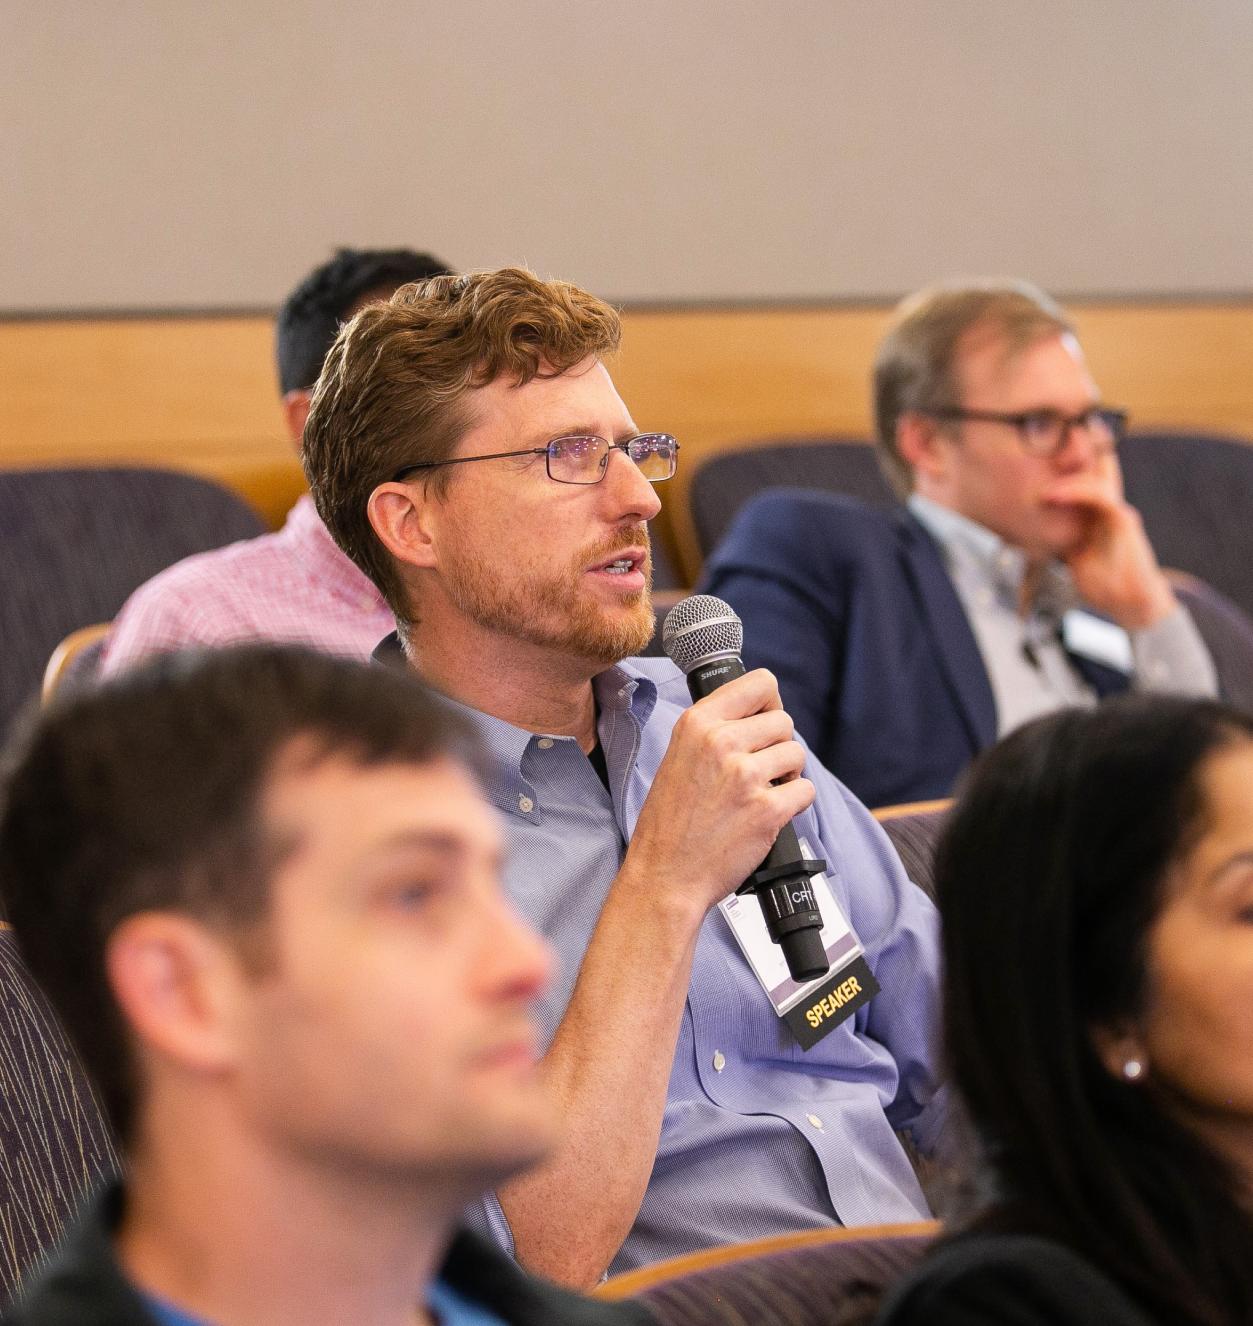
(704, 637)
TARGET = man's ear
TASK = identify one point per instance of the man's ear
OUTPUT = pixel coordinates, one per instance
(177, 985)
(295, 412)
(921, 444)
(404, 519)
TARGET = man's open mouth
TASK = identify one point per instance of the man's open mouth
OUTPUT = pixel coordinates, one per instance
(623, 563)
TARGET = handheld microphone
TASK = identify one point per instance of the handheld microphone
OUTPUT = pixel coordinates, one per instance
(704, 637)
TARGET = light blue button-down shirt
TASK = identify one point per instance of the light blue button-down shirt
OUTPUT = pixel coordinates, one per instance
(759, 1137)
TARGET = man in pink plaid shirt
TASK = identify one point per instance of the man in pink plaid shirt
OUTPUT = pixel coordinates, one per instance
(294, 585)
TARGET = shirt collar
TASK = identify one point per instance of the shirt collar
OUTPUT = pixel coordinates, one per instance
(621, 688)
(624, 687)
(959, 536)
(974, 551)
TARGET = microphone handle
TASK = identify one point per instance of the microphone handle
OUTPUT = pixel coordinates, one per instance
(709, 674)
(781, 882)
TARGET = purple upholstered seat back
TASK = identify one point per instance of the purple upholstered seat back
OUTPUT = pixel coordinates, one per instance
(55, 1146)
(74, 544)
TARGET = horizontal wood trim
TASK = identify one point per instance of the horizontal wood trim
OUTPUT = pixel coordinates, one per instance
(198, 393)
(192, 394)
(66, 652)
(633, 1282)
(885, 813)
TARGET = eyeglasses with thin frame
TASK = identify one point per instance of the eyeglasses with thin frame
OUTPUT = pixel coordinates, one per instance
(1045, 432)
(582, 458)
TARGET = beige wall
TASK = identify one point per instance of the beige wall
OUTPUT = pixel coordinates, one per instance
(162, 153)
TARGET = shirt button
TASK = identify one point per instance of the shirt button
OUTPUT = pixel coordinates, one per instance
(545, 743)
(815, 1120)
(720, 1061)
(525, 804)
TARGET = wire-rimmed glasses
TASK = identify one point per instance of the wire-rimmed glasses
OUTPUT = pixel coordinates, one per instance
(582, 457)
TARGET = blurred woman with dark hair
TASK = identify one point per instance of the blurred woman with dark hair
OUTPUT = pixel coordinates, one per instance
(1096, 889)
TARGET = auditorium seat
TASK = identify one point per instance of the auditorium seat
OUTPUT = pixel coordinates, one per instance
(915, 829)
(1195, 492)
(815, 1278)
(54, 1144)
(725, 481)
(74, 543)
(1228, 634)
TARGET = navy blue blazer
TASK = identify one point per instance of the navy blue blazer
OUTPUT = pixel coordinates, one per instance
(854, 612)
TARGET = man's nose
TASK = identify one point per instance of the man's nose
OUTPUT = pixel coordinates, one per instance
(626, 486)
(1081, 445)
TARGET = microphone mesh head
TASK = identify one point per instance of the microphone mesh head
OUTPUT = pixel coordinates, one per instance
(701, 627)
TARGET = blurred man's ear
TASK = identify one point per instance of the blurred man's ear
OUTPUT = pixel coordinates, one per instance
(921, 445)
(295, 412)
(177, 985)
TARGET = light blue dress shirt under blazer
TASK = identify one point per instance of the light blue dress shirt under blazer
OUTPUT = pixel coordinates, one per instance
(1028, 669)
(759, 1137)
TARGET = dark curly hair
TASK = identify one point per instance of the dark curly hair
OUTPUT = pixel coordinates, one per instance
(311, 315)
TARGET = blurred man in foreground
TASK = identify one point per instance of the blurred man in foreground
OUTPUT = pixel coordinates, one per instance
(261, 888)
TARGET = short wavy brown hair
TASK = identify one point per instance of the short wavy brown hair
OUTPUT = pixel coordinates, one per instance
(394, 388)
(915, 368)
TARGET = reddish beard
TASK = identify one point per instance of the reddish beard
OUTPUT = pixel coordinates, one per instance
(555, 612)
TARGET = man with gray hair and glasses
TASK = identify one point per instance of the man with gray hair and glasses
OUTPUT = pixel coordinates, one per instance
(1016, 580)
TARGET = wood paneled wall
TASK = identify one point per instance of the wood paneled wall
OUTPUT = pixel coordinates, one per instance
(198, 392)
(187, 393)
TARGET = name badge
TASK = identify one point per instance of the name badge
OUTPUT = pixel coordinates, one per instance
(814, 1008)
(1095, 638)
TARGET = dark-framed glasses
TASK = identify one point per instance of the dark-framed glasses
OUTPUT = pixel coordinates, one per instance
(582, 458)
(1045, 432)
